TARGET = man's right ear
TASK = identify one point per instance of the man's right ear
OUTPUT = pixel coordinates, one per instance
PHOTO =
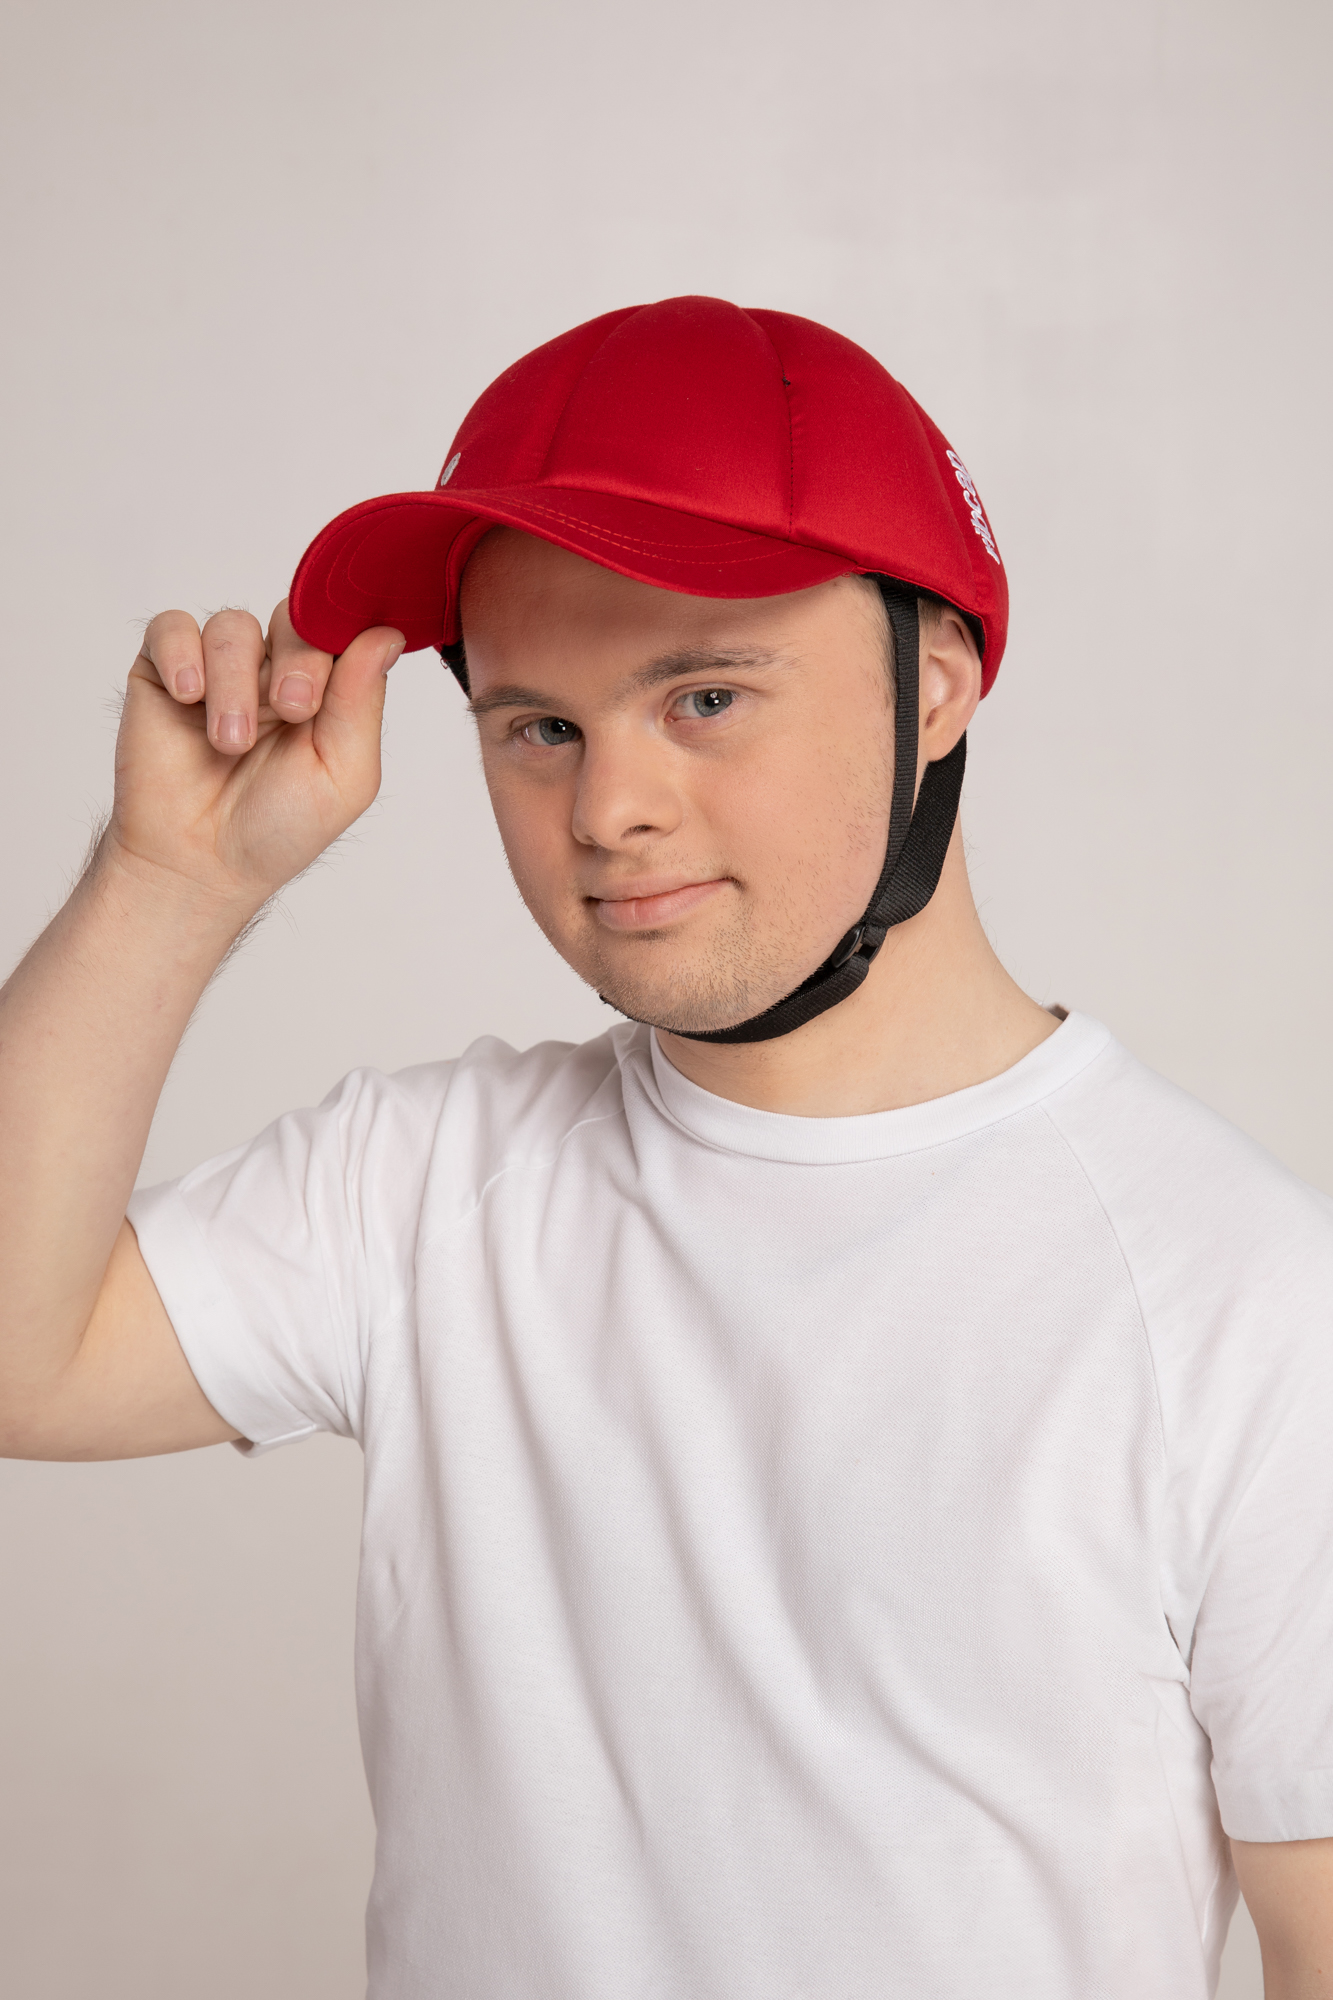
(950, 684)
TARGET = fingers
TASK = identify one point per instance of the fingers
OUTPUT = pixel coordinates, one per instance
(347, 727)
(173, 649)
(234, 657)
(220, 665)
(298, 675)
(235, 672)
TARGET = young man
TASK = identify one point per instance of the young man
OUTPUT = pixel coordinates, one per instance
(847, 1462)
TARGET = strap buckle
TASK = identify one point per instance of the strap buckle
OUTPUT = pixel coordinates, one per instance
(846, 948)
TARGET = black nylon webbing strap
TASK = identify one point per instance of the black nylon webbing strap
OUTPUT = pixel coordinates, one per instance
(917, 844)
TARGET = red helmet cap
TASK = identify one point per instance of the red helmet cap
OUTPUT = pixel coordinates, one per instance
(692, 444)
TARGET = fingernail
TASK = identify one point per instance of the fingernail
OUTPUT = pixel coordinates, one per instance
(233, 732)
(295, 691)
(189, 682)
(393, 653)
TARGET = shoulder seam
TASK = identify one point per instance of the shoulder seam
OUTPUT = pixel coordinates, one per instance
(1096, 1194)
(545, 1159)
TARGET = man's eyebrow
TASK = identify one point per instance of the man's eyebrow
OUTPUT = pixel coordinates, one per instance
(668, 667)
(508, 696)
(701, 660)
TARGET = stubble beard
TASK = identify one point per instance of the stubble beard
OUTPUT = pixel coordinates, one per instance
(744, 964)
(692, 986)
(729, 977)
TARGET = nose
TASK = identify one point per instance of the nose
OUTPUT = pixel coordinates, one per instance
(625, 791)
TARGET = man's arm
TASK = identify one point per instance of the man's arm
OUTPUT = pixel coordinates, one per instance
(1288, 1890)
(225, 789)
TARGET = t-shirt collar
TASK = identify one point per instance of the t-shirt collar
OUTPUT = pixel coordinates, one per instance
(771, 1135)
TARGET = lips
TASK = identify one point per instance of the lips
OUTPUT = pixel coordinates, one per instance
(650, 911)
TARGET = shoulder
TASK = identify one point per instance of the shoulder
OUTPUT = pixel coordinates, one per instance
(515, 1102)
(490, 1109)
(1230, 1253)
(431, 1135)
(1178, 1171)
(512, 1092)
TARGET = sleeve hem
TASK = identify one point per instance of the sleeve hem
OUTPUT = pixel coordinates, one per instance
(249, 1447)
(1292, 1805)
(208, 1324)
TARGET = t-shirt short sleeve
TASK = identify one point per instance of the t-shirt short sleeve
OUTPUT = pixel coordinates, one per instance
(1261, 1679)
(1232, 1262)
(276, 1262)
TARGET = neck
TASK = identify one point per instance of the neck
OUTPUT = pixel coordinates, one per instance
(935, 1013)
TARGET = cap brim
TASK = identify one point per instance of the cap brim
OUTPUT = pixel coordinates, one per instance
(398, 560)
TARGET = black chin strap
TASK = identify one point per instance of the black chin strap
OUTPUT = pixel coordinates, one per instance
(918, 842)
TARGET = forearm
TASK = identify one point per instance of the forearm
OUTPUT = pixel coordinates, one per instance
(221, 797)
(1288, 1888)
(89, 1025)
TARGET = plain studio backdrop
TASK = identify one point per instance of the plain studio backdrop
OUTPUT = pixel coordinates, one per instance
(259, 260)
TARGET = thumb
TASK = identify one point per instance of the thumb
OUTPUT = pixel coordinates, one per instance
(347, 724)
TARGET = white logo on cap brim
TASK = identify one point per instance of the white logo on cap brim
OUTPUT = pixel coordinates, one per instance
(450, 469)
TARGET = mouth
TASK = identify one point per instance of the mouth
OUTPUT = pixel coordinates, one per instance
(652, 908)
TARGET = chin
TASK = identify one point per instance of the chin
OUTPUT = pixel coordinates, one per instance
(691, 979)
(682, 997)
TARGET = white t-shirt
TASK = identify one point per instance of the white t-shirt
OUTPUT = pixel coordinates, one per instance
(804, 1559)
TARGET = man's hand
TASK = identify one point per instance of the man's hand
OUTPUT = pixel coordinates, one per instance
(1288, 1890)
(241, 757)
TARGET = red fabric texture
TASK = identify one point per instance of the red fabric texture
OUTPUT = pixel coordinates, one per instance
(691, 444)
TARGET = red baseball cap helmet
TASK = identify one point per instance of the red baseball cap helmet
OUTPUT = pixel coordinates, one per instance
(700, 446)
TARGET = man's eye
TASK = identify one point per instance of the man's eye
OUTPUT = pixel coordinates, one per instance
(552, 730)
(708, 701)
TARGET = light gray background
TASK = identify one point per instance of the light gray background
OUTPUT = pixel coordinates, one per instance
(258, 260)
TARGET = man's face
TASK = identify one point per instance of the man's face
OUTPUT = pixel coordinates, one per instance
(693, 792)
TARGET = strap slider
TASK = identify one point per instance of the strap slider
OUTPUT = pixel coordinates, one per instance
(848, 948)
